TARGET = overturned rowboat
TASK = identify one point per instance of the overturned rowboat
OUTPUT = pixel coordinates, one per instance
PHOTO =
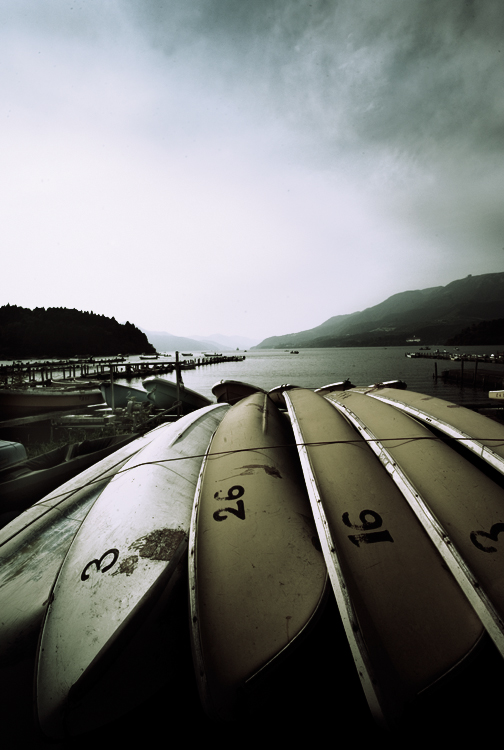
(408, 624)
(165, 393)
(256, 574)
(232, 391)
(127, 555)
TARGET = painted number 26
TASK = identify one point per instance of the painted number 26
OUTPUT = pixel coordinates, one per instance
(234, 493)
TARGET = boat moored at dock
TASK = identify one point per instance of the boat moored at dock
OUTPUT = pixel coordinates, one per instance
(122, 394)
(232, 391)
(39, 399)
(163, 393)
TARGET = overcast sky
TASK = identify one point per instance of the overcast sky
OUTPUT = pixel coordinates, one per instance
(247, 167)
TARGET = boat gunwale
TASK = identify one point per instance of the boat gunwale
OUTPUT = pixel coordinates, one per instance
(465, 578)
(347, 611)
(475, 445)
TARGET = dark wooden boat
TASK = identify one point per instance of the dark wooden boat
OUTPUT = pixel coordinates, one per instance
(40, 400)
(276, 394)
(26, 482)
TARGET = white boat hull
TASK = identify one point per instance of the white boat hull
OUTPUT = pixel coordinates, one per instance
(124, 556)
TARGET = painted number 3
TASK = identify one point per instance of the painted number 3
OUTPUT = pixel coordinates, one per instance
(492, 535)
(234, 493)
(98, 563)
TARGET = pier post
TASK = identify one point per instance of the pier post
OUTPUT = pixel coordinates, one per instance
(112, 387)
(177, 368)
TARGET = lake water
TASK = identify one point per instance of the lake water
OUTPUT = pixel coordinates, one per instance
(313, 368)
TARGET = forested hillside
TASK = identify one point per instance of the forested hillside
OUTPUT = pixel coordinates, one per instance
(60, 332)
(431, 315)
(489, 332)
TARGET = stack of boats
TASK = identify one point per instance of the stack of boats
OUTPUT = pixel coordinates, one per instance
(162, 393)
(388, 500)
(73, 394)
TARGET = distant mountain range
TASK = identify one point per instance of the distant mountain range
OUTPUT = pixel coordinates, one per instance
(167, 342)
(229, 342)
(431, 315)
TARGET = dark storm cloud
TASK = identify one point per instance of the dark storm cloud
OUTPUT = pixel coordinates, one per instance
(415, 75)
(405, 97)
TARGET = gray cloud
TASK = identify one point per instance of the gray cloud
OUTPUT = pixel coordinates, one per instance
(388, 72)
(287, 135)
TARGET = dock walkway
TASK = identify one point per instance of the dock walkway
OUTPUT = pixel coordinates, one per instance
(99, 369)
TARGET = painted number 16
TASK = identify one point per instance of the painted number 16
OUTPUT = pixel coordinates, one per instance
(369, 536)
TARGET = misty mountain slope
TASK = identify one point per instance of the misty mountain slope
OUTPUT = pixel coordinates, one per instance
(432, 314)
(167, 342)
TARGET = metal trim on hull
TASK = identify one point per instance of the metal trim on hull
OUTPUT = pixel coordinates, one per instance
(350, 622)
(476, 446)
(466, 579)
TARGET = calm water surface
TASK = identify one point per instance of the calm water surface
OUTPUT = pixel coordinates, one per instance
(313, 368)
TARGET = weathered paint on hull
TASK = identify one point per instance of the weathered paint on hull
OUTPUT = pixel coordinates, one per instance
(33, 546)
(123, 558)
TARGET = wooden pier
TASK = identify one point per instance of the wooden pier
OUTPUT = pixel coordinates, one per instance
(497, 358)
(101, 369)
(22, 374)
(474, 377)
